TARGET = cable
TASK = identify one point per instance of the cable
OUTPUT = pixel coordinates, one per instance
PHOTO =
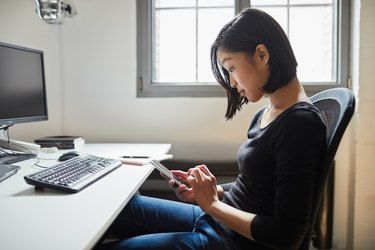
(28, 151)
(6, 126)
(12, 150)
(44, 159)
(10, 145)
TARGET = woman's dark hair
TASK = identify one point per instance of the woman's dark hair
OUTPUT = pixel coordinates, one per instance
(248, 29)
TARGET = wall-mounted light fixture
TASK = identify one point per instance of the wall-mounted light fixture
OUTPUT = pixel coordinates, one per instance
(53, 11)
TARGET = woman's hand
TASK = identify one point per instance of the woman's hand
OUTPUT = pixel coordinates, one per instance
(183, 192)
(204, 187)
(204, 191)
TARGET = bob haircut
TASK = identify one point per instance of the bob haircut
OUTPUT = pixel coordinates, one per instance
(248, 29)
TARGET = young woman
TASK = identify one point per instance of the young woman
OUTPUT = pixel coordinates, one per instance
(269, 204)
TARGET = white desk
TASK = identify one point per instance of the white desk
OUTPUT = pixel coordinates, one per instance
(49, 219)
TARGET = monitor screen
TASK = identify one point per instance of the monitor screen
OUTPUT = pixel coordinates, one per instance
(22, 85)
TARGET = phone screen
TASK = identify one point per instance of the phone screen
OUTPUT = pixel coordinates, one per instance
(167, 173)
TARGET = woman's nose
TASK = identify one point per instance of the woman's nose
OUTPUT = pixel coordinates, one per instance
(232, 82)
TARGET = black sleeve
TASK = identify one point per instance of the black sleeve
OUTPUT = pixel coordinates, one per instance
(297, 145)
(226, 186)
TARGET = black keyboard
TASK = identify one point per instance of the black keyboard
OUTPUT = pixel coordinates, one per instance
(73, 175)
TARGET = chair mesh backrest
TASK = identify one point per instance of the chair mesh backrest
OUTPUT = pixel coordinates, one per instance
(337, 108)
(330, 110)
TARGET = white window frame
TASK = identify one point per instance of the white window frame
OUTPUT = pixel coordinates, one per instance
(146, 88)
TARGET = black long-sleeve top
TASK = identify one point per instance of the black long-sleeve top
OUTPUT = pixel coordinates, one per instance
(278, 168)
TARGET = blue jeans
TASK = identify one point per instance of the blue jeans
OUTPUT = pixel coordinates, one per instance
(151, 223)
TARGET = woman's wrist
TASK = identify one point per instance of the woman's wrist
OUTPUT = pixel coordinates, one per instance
(220, 192)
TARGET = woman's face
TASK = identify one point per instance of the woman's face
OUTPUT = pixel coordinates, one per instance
(248, 74)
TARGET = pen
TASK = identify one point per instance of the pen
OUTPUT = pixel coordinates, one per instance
(135, 157)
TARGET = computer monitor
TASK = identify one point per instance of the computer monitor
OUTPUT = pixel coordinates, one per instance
(22, 85)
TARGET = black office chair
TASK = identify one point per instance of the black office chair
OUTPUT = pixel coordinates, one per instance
(337, 108)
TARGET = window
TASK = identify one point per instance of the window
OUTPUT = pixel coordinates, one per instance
(174, 39)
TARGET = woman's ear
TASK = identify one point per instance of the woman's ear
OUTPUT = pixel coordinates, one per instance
(262, 53)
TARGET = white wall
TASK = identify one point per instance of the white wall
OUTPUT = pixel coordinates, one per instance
(99, 98)
(92, 92)
(20, 25)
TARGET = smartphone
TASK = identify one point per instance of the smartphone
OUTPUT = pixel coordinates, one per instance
(165, 171)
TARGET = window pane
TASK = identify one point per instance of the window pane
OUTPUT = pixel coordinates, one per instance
(210, 23)
(310, 1)
(268, 2)
(291, 2)
(174, 46)
(174, 3)
(312, 39)
(210, 3)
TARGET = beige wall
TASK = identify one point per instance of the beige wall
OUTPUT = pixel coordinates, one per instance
(363, 203)
(91, 72)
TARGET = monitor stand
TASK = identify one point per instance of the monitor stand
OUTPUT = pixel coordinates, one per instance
(27, 147)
